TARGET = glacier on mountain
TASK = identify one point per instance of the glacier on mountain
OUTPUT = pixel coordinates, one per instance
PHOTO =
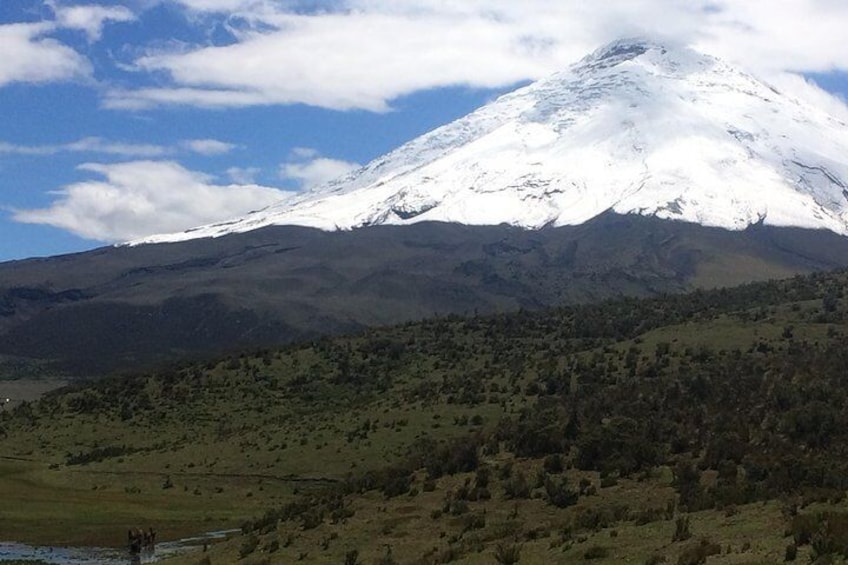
(637, 127)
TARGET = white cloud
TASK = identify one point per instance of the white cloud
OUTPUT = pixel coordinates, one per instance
(10, 148)
(309, 169)
(243, 175)
(141, 198)
(363, 54)
(788, 35)
(90, 18)
(99, 145)
(124, 99)
(208, 146)
(88, 145)
(802, 88)
(222, 5)
(29, 56)
(304, 153)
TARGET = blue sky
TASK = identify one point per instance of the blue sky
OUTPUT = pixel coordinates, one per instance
(124, 119)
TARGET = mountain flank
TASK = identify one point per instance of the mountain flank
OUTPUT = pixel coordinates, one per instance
(123, 306)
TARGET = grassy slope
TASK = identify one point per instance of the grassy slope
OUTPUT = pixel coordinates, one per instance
(248, 434)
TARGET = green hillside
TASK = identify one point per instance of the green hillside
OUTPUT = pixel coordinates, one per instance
(707, 427)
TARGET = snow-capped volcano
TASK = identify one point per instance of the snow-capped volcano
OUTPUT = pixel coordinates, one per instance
(635, 127)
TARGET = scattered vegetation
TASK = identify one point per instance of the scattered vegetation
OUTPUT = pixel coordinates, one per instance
(587, 433)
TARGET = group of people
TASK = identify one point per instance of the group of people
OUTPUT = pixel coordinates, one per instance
(139, 540)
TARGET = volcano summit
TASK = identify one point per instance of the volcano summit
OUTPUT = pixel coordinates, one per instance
(635, 128)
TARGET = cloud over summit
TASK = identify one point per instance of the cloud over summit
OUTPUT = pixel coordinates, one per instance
(364, 54)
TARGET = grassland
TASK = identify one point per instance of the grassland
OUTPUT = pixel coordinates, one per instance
(72, 507)
(709, 427)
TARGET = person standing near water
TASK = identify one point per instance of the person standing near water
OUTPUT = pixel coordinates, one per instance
(135, 538)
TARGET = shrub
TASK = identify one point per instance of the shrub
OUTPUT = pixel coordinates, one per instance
(595, 519)
(248, 546)
(396, 482)
(481, 479)
(505, 470)
(474, 521)
(596, 552)
(791, 552)
(507, 554)
(272, 546)
(457, 507)
(458, 456)
(312, 518)
(697, 553)
(681, 529)
(608, 481)
(826, 532)
(553, 464)
(517, 486)
(387, 558)
(559, 494)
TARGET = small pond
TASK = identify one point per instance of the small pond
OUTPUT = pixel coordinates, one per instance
(10, 551)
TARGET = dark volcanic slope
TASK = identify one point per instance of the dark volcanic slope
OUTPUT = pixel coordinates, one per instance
(115, 307)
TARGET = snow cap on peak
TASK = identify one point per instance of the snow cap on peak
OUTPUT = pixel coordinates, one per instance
(640, 126)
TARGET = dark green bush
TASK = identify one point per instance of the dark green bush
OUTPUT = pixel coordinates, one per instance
(596, 552)
(697, 553)
(507, 554)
